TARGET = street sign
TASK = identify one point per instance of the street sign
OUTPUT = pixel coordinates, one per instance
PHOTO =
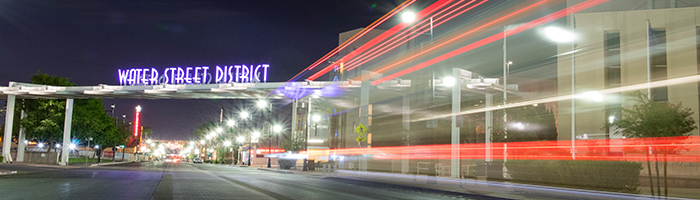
(361, 129)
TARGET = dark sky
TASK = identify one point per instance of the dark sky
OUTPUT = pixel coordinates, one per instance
(88, 41)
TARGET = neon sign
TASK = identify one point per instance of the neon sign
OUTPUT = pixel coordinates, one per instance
(137, 121)
(194, 75)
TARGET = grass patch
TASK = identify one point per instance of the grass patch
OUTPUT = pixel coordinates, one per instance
(611, 176)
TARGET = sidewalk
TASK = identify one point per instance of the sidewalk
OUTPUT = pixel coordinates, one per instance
(479, 187)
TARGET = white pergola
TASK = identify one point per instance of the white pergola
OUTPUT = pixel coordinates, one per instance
(273, 90)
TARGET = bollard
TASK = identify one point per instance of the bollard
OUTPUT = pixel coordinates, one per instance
(324, 170)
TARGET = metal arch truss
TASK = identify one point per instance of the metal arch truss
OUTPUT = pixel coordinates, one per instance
(165, 91)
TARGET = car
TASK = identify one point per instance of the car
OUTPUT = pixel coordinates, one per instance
(197, 160)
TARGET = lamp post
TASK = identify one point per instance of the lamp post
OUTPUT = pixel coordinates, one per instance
(244, 116)
(227, 144)
(240, 139)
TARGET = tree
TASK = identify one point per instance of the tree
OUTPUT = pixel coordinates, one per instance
(205, 128)
(294, 144)
(649, 118)
(146, 131)
(527, 123)
(45, 118)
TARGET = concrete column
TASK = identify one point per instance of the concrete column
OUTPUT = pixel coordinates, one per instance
(66, 132)
(456, 108)
(681, 51)
(294, 118)
(9, 117)
(22, 137)
(406, 127)
(364, 110)
(488, 124)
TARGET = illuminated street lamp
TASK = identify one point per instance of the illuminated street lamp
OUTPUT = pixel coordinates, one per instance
(559, 35)
(448, 81)
(262, 104)
(71, 146)
(244, 115)
(231, 123)
(227, 143)
(219, 130)
(408, 16)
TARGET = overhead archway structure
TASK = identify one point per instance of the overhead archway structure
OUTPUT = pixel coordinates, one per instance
(19, 90)
(271, 90)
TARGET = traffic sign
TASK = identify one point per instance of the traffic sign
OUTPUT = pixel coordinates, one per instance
(361, 129)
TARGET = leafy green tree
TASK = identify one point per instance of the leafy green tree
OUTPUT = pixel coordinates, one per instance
(45, 118)
(527, 123)
(205, 128)
(294, 144)
(146, 131)
(649, 118)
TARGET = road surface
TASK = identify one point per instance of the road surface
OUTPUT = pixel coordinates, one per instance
(159, 180)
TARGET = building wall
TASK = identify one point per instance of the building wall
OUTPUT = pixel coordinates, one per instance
(680, 25)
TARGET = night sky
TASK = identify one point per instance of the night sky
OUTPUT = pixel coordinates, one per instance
(88, 41)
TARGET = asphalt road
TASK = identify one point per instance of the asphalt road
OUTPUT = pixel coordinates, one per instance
(158, 180)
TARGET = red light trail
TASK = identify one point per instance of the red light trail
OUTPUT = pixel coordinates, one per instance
(430, 9)
(356, 36)
(677, 149)
(482, 42)
(366, 56)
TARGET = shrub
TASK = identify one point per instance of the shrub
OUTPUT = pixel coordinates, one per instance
(286, 163)
(611, 176)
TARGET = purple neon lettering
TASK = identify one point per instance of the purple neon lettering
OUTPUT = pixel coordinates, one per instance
(187, 75)
(265, 66)
(154, 76)
(123, 75)
(204, 74)
(238, 68)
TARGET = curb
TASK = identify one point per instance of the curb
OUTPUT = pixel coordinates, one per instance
(109, 163)
(7, 172)
(276, 170)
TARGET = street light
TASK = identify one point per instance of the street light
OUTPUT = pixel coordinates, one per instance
(244, 115)
(71, 146)
(262, 104)
(408, 16)
(559, 35)
(231, 123)
(219, 130)
(227, 143)
(448, 81)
